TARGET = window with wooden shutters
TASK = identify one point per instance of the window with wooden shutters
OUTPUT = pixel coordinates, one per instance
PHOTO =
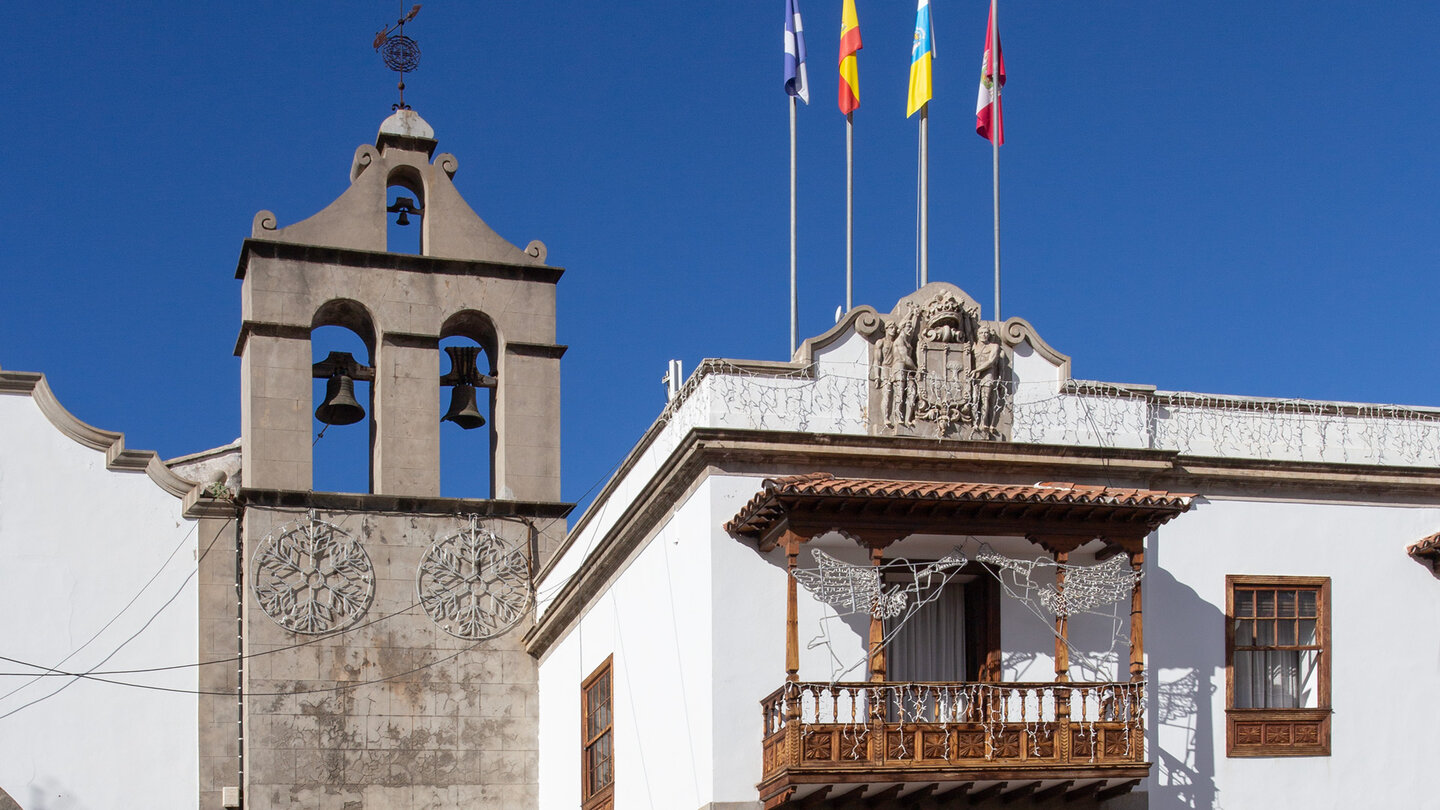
(1277, 666)
(597, 783)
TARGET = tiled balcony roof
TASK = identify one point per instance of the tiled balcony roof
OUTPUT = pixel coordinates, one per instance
(823, 500)
(1427, 549)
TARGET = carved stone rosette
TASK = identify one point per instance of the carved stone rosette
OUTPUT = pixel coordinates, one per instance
(311, 577)
(474, 585)
(938, 371)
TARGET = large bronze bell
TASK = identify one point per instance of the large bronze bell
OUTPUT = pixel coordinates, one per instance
(463, 408)
(340, 407)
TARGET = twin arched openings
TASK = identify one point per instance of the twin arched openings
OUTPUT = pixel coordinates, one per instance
(343, 342)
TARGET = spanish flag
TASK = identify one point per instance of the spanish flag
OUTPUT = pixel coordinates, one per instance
(921, 52)
(849, 68)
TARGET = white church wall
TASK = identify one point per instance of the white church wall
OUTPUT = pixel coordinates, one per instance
(653, 621)
(1383, 643)
(78, 543)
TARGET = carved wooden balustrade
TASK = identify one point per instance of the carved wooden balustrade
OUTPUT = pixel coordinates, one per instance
(911, 732)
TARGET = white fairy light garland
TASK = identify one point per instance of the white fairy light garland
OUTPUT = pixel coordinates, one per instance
(831, 398)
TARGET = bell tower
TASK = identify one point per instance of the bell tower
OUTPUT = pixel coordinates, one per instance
(333, 270)
(381, 661)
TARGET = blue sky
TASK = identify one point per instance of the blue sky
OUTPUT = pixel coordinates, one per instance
(1220, 197)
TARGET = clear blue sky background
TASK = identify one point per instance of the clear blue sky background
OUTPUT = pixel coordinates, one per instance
(1220, 197)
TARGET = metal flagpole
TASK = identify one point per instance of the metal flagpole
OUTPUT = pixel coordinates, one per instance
(794, 298)
(995, 139)
(849, 210)
(924, 194)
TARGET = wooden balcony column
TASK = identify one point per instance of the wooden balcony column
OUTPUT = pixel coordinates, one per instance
(792, 542)
(877, 627)
(1137, 618)
(1060, 547)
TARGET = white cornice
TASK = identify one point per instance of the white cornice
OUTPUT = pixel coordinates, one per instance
(112, 444)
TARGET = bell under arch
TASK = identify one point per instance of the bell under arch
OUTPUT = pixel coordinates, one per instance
(342, 352)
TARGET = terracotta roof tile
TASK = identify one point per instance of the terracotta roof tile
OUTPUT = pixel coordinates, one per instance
(1045, 492)
(778, 495)
(1427, 549)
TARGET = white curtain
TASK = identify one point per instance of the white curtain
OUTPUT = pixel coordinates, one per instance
(930, 645)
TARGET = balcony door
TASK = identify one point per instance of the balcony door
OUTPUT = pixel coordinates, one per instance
(955, 636)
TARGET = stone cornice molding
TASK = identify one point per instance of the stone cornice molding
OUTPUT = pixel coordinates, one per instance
(400, 504)
(768, 453)
(405, 262)
(112, 444)
(553, 351)
(1018, 330)
(862, 319)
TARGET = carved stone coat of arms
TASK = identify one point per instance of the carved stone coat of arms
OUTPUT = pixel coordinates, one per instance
(937, 370)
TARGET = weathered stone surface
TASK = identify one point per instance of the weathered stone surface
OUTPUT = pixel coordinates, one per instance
(393, 712)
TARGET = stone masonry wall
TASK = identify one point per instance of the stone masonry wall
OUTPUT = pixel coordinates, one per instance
(393, 713)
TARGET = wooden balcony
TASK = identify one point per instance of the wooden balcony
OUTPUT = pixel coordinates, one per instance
(938, 740)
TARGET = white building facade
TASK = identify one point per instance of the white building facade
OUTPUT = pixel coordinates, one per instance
(1003, 585)
(97, 576)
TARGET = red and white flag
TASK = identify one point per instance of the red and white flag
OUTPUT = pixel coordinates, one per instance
(989, 122)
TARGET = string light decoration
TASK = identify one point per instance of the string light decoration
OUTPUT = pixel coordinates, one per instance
(473, 584)
(1087, 587)
(834, 398)
(988, 718)
(1098, 590)
(857, 588)
(312, 577)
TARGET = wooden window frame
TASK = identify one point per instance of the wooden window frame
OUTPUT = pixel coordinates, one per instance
(1279, 732)
(603, 798)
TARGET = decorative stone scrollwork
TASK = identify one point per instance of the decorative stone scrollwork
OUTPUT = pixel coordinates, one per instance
(311, 577)
(474, 584)
(938, 370)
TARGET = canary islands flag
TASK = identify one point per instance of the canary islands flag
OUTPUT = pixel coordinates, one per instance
(921, 53)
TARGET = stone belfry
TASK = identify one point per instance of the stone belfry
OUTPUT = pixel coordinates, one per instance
(379, 632)
(332, 270)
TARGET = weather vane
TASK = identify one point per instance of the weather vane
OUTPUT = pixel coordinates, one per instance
(399, 52)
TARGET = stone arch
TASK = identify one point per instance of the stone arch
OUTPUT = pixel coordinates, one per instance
(474, 325)
(348, 314)
(345, 462)
(409, 178)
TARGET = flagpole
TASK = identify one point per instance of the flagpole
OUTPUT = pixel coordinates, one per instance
(995, 140)
(849, 210)
(924, 194)
(794, 298)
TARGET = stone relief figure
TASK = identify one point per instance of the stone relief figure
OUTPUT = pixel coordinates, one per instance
(989, 368)
(895, 376)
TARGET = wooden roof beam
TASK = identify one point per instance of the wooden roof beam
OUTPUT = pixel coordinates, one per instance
(988, 793)
(955, 794)
(1121, 789)
(885, 796)
(1025, 790)
(1052, 792)
(1084, 791)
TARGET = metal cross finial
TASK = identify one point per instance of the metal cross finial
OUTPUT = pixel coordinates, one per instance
(399, 52)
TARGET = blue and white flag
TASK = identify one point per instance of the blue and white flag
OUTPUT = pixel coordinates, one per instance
(795, 82)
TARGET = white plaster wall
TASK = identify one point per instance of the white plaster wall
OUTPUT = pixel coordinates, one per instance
(654, 619)
(77, 543)
(1385, 662)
